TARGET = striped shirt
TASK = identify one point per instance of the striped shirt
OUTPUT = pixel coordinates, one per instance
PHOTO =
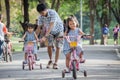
(52, 16)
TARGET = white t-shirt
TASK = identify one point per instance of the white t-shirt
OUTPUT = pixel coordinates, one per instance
(1, 31)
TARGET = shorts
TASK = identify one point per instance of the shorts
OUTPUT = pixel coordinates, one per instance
(52, 40)
(79, 49)
(34, 49)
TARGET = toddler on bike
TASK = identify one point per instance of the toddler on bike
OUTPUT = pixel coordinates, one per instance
(30, 35)
(73, 30)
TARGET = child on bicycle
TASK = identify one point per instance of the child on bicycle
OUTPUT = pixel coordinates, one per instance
(30, 35)
(72, 30)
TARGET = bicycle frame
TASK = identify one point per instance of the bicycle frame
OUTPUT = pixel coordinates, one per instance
(73, 58)
(7, 51)
(29, 50)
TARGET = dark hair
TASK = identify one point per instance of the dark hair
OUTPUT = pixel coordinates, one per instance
(29, 25)
(71, 18)
(41, 7)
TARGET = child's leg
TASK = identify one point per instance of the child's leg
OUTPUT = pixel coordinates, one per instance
(25, 56)
(68, 59)
(81, 57)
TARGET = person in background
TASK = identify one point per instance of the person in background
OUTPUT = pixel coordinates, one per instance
(115, 34)
(105, 33)
(3, 31)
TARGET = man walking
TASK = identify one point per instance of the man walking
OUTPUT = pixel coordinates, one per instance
(54, 28)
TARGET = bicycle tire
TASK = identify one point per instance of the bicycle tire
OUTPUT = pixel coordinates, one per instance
(23, 66)
(10, 57)
(63, 74)
(85, 73)
(30, 63)
(74, 71)
(6, 54)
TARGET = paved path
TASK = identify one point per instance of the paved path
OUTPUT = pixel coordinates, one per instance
(102, 63)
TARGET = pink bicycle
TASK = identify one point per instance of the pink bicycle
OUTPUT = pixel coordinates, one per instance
(74, 64)
(30, 56)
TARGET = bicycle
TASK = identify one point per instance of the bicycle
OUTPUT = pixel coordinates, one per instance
(30, 56)
(74, 64)
(7, 51)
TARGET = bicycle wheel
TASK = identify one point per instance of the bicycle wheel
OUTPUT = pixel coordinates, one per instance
(10, 57)
(63, 74)
(85, 73)
(23, 66)
(3, 56)
(74, 70)
(30, 63)
(6, 55)
(40, 66)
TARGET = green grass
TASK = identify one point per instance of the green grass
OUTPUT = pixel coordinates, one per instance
(16, 45)
(19, 46)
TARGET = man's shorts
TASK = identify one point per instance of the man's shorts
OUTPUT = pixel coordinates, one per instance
(53, 40)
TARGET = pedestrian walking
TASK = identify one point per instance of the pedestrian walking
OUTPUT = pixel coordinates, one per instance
(50, 19)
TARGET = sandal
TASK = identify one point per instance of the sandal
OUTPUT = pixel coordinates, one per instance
(49, 64)
(55, 66)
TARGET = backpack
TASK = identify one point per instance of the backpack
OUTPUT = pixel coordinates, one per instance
(105, 30)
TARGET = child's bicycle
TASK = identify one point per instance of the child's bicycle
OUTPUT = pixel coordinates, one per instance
(30, 56)
(74, 64)
(7, 51)
(7, 48)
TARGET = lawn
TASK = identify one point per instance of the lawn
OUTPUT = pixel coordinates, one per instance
(19, 46)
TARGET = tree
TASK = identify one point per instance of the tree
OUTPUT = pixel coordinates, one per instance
(92, 4)
(103, 14)
(25, 14)
(55, 4)
(7, 13)
(115, 8)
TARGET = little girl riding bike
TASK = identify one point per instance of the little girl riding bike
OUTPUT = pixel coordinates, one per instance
(30, 35)
(73, 30)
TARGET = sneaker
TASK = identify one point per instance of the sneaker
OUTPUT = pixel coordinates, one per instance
(49, 64)
(25, 62)
(55, 66)
(67, 70)
(82, 61)
(37, 60)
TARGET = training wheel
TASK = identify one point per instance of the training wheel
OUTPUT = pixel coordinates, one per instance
(85, 73)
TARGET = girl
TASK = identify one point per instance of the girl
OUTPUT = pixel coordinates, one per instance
(73, 30)
(30, 35)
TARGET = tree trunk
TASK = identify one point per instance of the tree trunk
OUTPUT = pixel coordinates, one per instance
(105, 19)
(25, 14)
(0, 7)
(42, 1)
(53, 4)
(57, 5)
(92, 14)
(7, 13)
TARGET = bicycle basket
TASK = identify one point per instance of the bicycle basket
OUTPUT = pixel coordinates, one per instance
(73, 44)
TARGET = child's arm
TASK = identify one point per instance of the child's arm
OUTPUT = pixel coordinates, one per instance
(24, 36)
(81, 32)
(36, 36)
